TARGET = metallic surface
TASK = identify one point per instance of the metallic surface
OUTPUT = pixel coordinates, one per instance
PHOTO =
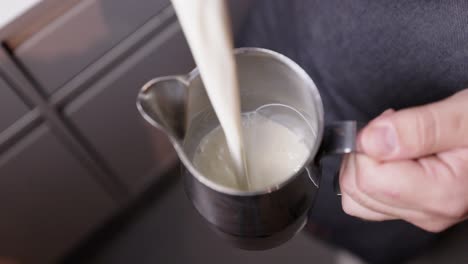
(179, 106)
(339, 138)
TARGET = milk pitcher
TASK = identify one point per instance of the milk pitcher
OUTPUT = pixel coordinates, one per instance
(260, 219)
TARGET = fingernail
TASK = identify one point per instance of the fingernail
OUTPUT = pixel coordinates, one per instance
(359, 140)
(379, 140)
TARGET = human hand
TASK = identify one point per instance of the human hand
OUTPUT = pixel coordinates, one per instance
(412, 165)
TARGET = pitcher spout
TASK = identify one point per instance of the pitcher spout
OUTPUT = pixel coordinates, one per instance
(162, 103)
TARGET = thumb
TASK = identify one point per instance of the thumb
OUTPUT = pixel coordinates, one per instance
(418, 131)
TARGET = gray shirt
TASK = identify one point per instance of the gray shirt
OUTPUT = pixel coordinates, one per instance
(366, 56)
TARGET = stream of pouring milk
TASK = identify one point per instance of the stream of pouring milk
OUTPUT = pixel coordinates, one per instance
(273, 152)
(207, 29)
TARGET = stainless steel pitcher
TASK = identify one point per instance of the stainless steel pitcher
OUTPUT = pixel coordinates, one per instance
(262, 219)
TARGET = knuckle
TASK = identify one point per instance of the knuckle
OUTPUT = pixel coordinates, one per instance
(365, 178)
(434, 226)
(457, 124)
(461, 166)
(347, 206)
(427, 131)
(444, 206)
(346, 185)
(457, 164)
(454, 210)
(450, 200)
(365, 183)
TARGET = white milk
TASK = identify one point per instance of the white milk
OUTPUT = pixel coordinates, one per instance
(274, 154)
(206, 28)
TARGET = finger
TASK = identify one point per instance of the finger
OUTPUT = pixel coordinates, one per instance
(355, 209)
(422, 220)
(417, 216)
(348, 185)
(425, 185)
(385, 113)
(418, 131)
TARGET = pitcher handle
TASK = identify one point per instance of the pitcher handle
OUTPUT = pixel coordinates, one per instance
(339, 139)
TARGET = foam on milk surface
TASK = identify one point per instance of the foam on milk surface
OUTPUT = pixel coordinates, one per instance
(274, 154)
(206, 26)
